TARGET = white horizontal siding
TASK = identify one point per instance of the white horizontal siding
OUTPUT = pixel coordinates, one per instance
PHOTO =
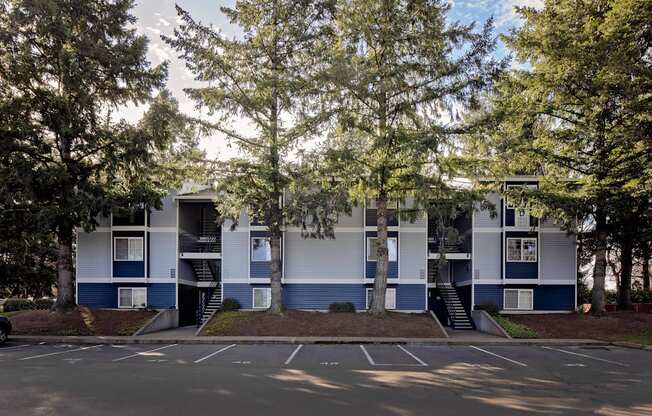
(412, 255)
(167, 216)
(339, 258)
(557, 257)
(483, 218)
(94, 255)
(235, 254)
(162, 254)
(486, 255)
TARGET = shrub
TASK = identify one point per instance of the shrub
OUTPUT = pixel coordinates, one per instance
(230, 304)
(43, 304)
(490, 307)
(12, 305)
(341, 307)
(513, 329)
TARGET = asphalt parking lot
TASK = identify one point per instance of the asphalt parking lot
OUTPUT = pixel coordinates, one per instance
(323, 379)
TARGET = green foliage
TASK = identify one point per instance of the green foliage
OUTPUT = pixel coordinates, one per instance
(514, 329)
(230, 304)
(401, 74)
(43, 304)
(337, 307)
(65, 66)
(579, 108)
(13, 305)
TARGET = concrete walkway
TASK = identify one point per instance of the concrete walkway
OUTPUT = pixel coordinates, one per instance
(191, 339)
(466, 334)
(174, 333)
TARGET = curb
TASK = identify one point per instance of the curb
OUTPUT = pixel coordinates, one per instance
(632, 345)
(302, 340)
(441, 327)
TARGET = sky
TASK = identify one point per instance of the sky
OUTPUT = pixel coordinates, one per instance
(158, 17)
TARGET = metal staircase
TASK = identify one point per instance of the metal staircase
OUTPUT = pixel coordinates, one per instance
(212, 305)
(459, 318)
(204, 271)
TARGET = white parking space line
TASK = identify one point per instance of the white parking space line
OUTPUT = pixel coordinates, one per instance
(499, 356)
(417, 359)
(289, 360)
(214, 353)
(143, 353)
(59, 352)
(14, 347)
(364, 350)
(587, 356)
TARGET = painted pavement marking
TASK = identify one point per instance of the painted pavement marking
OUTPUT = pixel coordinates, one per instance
(58, 352)
(586, 356)
(143, 353)
(499, 356)
(417, 359)
(214, 353)
(289, 360)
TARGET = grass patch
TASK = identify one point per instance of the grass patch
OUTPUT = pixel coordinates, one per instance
(223, 321)
(514, 329)
(10, 314)
(637, 339)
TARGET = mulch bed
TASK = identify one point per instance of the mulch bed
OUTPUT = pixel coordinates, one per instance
(303, 323)
(80, 321)
(612, 326)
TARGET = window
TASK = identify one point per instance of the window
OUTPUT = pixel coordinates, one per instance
(529, 187)
(262, 297)
(522, 250)
(261, 250)
(132, 297)
(390, 297)
(128, 249)
(521, 218)
(372, 248)
(519, 299)
(371, 204)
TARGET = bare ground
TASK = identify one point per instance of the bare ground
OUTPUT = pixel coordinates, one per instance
(303, 323)
(612, 326)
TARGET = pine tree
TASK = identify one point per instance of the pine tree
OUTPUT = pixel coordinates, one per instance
(65, 67)
(269, 78)
(401, 75)
(579, 110)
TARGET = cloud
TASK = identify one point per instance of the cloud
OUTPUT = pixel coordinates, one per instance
(163, 22)
(152, 29)
(506, 12)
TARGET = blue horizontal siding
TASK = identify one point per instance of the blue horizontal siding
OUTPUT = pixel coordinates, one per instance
(260, 269)
(392, 271)
(411, 297)
(554, 298)
(517, 270)
(488, 294)
(161, 295)
(320, 296)
(97, 295)
(105, 295)
(509, 217)
(128, 268)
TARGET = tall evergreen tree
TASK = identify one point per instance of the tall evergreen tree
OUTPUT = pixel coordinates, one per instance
(580, 110)
(401, 75)
(269, 78)
(65, 67)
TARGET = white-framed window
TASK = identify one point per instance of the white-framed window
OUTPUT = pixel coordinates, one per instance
(371, 204)
(372, 248)
(390, 297)
(518, 299)
(128, 248)
(261, 249)
(132, 297)
(262, 297)
(522, 250)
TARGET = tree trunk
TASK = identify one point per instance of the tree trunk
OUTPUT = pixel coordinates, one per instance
(382, 258)
(600, 267)
(275, 281)
(646, 256)
(625, 287)
(65, 287)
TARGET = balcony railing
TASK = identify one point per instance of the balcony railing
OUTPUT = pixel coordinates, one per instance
(191, 243)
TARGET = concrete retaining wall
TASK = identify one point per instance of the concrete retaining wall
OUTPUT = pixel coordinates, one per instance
(165, 319)
(485, 323)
